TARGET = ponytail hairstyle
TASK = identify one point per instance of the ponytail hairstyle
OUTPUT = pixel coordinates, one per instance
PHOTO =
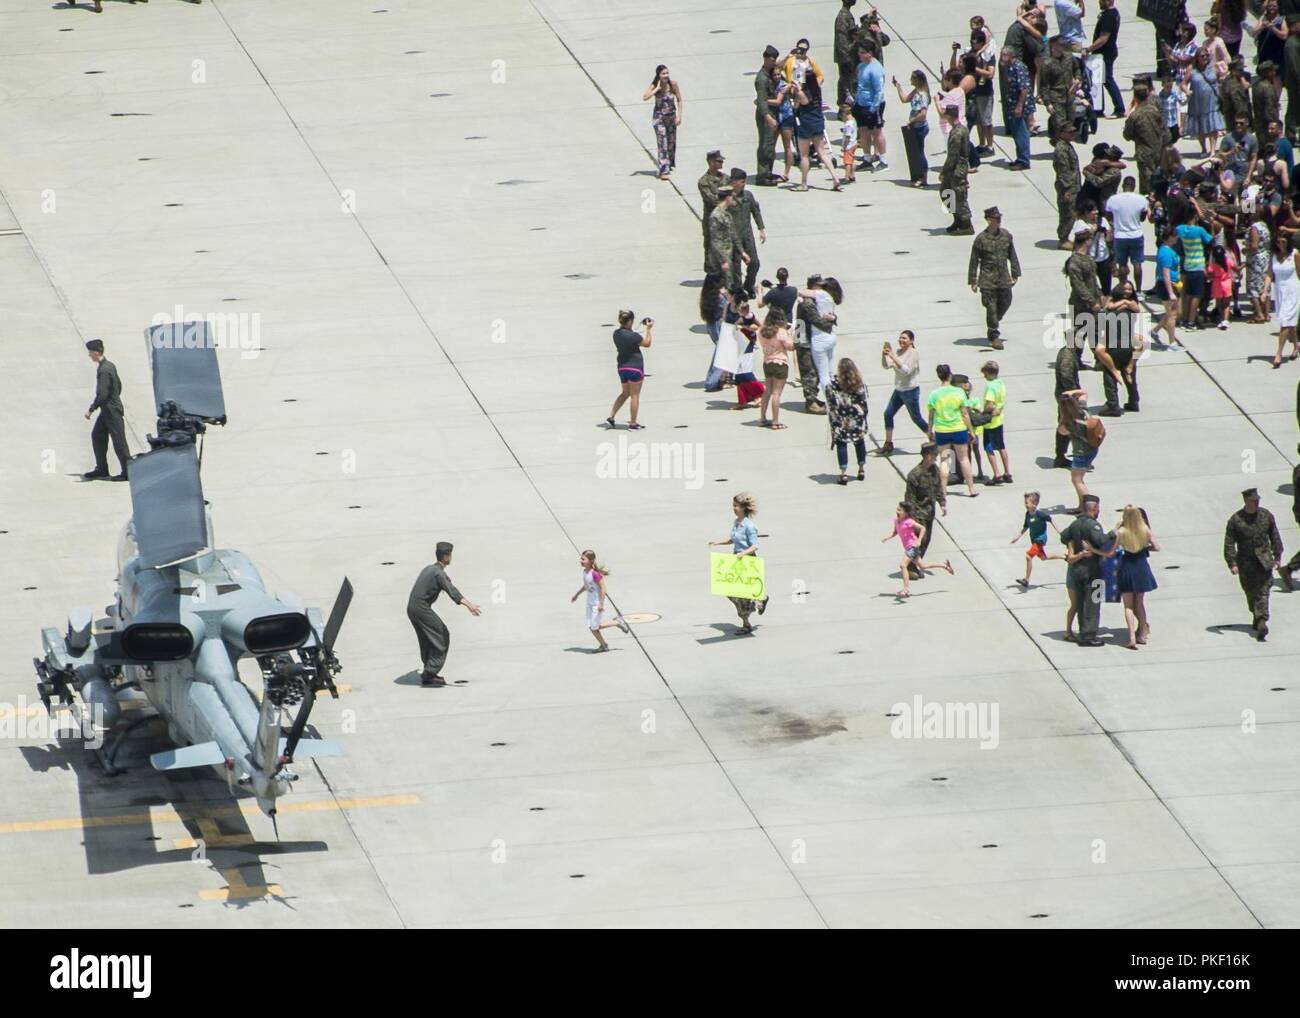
(625, 319)
(590, 556)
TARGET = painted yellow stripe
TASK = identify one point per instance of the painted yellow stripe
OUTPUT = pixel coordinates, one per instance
(195, 812)
(237, 888)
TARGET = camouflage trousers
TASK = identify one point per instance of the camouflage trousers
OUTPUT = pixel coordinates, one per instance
(1256, 585)
(766, 154)
(1065, 214)
(996, 301)
(808, 375)
(956, 196)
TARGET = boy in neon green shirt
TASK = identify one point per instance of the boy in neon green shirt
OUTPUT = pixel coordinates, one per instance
(995, 402)
(950, 426)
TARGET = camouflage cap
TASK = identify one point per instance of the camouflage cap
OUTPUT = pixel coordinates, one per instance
(1250, 493)
(714, 157)
(992, 212)
(771, 51)
(929, 449)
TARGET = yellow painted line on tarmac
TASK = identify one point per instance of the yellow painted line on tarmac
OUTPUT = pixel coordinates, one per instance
(237, 888)
(196, 812)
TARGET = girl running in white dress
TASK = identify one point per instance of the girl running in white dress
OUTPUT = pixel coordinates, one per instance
(593, 582)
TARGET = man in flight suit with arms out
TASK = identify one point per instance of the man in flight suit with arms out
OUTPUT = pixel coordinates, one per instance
(430, 630)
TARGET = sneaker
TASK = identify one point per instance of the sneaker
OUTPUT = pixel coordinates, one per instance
(623, 625)
(1223, 326)
(1006, 479)
(1023, 584)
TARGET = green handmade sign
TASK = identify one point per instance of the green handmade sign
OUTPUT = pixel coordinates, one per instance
(736, 576)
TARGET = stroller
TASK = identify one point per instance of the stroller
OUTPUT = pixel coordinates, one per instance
(1087, 99)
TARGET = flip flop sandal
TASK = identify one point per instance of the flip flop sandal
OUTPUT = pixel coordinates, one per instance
(778, 427)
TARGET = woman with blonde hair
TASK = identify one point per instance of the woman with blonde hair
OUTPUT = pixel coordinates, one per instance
(744, 541)
(1134, 542)
(593, 582)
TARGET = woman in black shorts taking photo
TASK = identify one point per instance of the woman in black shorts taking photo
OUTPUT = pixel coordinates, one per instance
(631, 366)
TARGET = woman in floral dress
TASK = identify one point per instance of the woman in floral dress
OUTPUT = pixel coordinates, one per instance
(846, 406)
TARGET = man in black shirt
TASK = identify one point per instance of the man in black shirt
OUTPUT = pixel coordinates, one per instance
(430, 630)
(1104, 42)
(110, 423)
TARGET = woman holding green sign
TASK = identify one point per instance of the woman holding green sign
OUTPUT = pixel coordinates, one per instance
(744, 541)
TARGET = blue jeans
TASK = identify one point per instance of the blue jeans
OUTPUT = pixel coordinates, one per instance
(1019, 127)
(823, 355)
(1112, 88)
(842, 453)
(714, 378)
(910, 398)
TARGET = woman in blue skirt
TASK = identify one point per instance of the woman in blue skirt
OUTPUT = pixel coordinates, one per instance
(1134, 542)
(810, 129)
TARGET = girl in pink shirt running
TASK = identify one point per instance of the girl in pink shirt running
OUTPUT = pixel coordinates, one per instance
(910, 532)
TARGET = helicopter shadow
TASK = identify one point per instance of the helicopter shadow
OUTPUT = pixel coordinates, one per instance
(118, 815)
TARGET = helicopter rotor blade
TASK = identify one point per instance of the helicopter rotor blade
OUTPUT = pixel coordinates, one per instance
(337, 614)
(299, 725)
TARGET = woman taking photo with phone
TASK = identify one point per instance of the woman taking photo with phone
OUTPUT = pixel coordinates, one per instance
(631, 366)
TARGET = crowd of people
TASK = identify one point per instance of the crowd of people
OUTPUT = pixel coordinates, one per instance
(1223, 229)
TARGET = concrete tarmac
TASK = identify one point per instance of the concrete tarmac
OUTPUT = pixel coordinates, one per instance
(427, 215)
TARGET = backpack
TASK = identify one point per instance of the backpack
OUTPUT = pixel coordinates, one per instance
(1096, 432)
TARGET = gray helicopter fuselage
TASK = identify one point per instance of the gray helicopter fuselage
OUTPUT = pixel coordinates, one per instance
(201, 695)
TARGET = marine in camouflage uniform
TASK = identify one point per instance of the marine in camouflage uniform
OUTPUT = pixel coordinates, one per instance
(1085, 294)
(1145, 128)
(709, 185)
(1263, 101)
(806, 311)
(990, 255)
(745, 213)
(1234, 96)
(1056, 79)
(953, 186)
(765, 117)
(724, 245)
(1069, 179)
(1252, 547)
(846, 52)
(924, 489)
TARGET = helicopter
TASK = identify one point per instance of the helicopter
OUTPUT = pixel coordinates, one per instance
(187, 612)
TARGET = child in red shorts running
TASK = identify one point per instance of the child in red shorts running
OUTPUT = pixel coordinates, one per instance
(1036, 521)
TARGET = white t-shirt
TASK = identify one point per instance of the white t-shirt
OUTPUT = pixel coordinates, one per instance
(1127, 208)
(905, 377)
(1099, 247)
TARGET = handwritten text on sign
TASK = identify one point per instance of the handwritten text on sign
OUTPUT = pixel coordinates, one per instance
(736, 577)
